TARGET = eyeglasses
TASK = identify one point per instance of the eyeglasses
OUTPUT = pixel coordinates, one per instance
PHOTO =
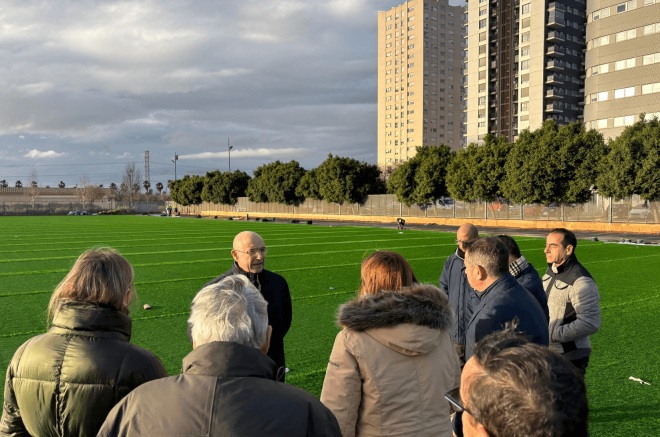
(454, 398)
(462, 241)
(254, 251)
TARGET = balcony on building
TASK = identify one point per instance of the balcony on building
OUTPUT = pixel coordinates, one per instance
(554, 6)
(554, 107)
(556, 20)
(554, 93)
(555, 36)
(555, 65)
(555, 50)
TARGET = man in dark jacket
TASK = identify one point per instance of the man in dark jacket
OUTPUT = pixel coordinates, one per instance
(525, 273)
(228, 384)
(454, 282)
(502, 298)
(572, 299)
(249, 255)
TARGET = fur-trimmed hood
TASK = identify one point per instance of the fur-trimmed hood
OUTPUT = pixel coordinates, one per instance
(420, 304)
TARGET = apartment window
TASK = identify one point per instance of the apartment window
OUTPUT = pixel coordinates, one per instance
(652, 28)
(481, 124)
(524, 79)
(524, 51)
(526, 8)
(524, 65)
(525, 37)
(651, 88)
(602, 124)
(624, 92)
(482, 100)
(603, 96)
(524, 106)
(651, 59)
(482, 23)
(601, 13)
(411, 9)
(625, 7)
(626, 34)
(411, 18)
(483, 11)
(624, 64)
(388, 18)
(526, 23)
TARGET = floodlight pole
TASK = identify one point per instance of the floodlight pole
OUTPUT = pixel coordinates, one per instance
(176, 158)
(229, 154)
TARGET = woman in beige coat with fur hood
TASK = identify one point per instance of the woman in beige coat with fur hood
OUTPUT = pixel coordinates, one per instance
(394, 361)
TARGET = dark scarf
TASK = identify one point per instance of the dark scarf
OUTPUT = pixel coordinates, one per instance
(253, 277)
(460, 253)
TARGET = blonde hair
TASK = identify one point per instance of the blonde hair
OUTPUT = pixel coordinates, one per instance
(100, 276)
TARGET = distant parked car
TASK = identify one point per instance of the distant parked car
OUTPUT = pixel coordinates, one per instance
(84, 213)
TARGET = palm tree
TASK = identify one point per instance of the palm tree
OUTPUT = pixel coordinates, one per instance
(61, 184)
(159, 187)
(146, 185)
(18, 184)
(3, 184)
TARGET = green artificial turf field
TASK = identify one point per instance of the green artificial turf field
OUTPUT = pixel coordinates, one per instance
(174, 257)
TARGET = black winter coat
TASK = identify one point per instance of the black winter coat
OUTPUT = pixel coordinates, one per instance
(275, 290)
(530, 279)
(65, 382)
(462, 297)
(504, 300)
(225, 389)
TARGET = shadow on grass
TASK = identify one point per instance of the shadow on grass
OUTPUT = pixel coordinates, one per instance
(624, 413)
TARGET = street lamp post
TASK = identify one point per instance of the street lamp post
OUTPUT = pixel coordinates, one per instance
(229, 153)
(176, 158)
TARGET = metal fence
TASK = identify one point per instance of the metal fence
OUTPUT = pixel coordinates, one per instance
(63, 208)
(599, 209)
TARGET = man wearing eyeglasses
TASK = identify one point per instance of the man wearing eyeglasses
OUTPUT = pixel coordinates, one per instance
(512, 386)
(249, 253)
(454, 282)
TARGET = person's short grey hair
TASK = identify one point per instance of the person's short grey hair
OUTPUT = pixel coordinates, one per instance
(231, 310)
(489, 253)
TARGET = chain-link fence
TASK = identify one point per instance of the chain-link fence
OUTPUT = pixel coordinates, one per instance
(63, 208)
(598, 209)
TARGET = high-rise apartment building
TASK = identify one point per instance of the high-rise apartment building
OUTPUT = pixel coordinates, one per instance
(420, 78)
(525, 64)
(622, 64)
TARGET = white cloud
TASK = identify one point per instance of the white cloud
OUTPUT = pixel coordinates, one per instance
(34, 153)
(345, 7)
(22, 137)
(250, 153)
(124, 155)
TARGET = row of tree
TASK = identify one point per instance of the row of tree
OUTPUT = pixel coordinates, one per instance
(552, 164)
(130, 188)
(337, 179)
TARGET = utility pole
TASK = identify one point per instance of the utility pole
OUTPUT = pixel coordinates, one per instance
(147, 177)
(176, 158)
(229, 154)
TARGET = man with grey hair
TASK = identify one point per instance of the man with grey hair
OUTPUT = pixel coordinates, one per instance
(501, 297)
(249, 254)
(227, 386)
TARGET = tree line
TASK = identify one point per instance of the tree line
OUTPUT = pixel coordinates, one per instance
(337, 179)
(552, 164)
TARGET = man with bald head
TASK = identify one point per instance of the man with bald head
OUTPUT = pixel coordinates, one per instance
(249, 253)
(454, 282)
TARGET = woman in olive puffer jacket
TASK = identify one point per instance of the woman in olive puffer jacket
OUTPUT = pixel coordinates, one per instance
(66, 381)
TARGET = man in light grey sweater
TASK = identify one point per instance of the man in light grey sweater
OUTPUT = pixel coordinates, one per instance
(572, 299)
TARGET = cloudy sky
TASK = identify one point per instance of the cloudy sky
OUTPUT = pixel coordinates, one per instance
(89, 85)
